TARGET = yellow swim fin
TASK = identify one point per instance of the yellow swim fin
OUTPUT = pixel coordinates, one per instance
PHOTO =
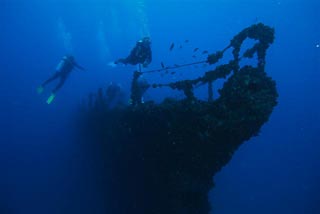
(51, 98)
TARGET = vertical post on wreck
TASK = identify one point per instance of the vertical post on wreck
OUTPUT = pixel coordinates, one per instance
(210, 91)
(139, 67)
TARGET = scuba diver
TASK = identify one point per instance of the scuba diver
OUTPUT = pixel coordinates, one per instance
(140, 54)
(64, 68)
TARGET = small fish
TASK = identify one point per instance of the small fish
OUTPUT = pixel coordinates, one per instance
(162, 65)
(180, 47)
(194, 56)
(173, 72)
(186, 41)
(171, 47)
(195, 49)
(176, 65)
(205, 52)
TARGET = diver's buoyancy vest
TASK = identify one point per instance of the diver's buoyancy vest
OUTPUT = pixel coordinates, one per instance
(64, 65)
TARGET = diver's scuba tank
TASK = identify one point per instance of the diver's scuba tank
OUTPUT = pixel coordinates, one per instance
(61, 63)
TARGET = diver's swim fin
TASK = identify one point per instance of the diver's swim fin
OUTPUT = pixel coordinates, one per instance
(40, 89)
(51, 98)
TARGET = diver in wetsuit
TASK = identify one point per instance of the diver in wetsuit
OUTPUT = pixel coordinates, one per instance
(140, 54)
(64, 68)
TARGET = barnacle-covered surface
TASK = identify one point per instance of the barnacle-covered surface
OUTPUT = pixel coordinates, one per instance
(160, 158)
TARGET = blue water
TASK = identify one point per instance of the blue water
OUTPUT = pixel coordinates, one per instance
(43, 171)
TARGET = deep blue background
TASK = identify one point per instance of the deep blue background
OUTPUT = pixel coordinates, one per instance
(43, 171)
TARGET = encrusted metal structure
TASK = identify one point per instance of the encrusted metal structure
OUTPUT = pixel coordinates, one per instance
(160, 158)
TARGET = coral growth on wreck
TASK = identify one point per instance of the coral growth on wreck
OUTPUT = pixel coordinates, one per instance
(160, 158)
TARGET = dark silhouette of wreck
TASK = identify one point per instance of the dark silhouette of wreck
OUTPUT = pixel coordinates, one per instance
(161, 158)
